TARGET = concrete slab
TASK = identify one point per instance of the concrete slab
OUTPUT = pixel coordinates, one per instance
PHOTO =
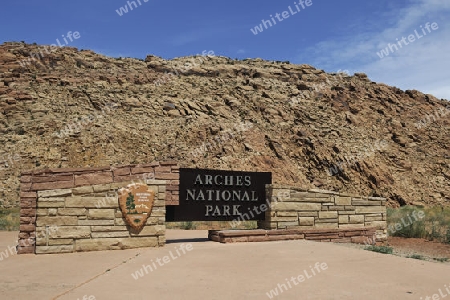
(212, 270)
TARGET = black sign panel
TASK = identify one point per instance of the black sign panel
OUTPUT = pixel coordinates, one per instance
(215, 195)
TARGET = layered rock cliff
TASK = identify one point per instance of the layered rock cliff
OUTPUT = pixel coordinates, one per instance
(63, 107)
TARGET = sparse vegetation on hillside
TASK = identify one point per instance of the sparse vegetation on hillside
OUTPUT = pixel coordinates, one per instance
(434, 226)
(9, 219)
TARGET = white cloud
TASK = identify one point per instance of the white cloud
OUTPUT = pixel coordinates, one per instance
(423, 64)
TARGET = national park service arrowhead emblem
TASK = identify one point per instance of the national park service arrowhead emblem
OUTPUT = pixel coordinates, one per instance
(136, 203)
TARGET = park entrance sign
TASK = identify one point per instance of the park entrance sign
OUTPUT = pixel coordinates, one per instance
(124, 207)
(216, 195)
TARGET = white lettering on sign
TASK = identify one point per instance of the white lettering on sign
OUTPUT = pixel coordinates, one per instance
(217, 195)
(222, 210)
(223, 180)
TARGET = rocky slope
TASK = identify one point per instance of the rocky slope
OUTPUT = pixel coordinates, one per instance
(70, 108)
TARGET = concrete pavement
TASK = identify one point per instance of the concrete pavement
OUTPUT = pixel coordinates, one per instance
(190, 267)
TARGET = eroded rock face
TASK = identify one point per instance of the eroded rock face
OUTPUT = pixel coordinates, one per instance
(71, 108)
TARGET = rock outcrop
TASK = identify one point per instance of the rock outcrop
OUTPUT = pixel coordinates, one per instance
(64, 107)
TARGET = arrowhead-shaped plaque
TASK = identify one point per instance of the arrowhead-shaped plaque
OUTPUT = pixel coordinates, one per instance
(136, 203)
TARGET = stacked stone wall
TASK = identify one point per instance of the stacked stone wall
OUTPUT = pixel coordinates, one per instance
(62, 209)
(297, 208)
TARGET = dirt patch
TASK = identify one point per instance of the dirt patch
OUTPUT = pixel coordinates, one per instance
(413, 246)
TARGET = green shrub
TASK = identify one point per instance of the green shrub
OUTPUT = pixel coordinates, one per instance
(380, 249)
(435, 225)
(416, 256)
(441, 259)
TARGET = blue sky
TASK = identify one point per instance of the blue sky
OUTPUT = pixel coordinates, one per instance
(329, 34)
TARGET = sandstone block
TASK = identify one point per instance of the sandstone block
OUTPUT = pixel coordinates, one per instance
(95, 222)
(328, 214)
(25, 249)
(296, 206)
(101, 214)
(308, 214)
(163, 169)
(306, 221)
(27, 203)
(161, 240)
(52, 178)
(121, 184)
(158, 212)
(285, 219)
(120, 222)
(81, 202)
(72, 211)
(371, 218)
(167, 176)
(343, 219)
(98, 188)
(360, 202)
(284, 225)
(54, 193)
(152, 221)
(172, 187)
(140, 170)
(54, 242)
(151, 231)
(336, 220)
(48, 204)
(376, 224)
(54, 199)
(370, 209)
(56, 221)
(27, 212)
(286, 214)
(326, 225)
(94, 178)
(168, 163)
(54, 249)
(322, 193)
(357, 219)
(336, 207)
(107, 202)
(302, 195)
(52, 185)
(41, 241)
(342, 200)
(310, 199)
(28, 195)
(351, 226)
(82, 190)
(122, 171)
(108, 228)
(110, 234)
(41, 212)
(70, 232)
